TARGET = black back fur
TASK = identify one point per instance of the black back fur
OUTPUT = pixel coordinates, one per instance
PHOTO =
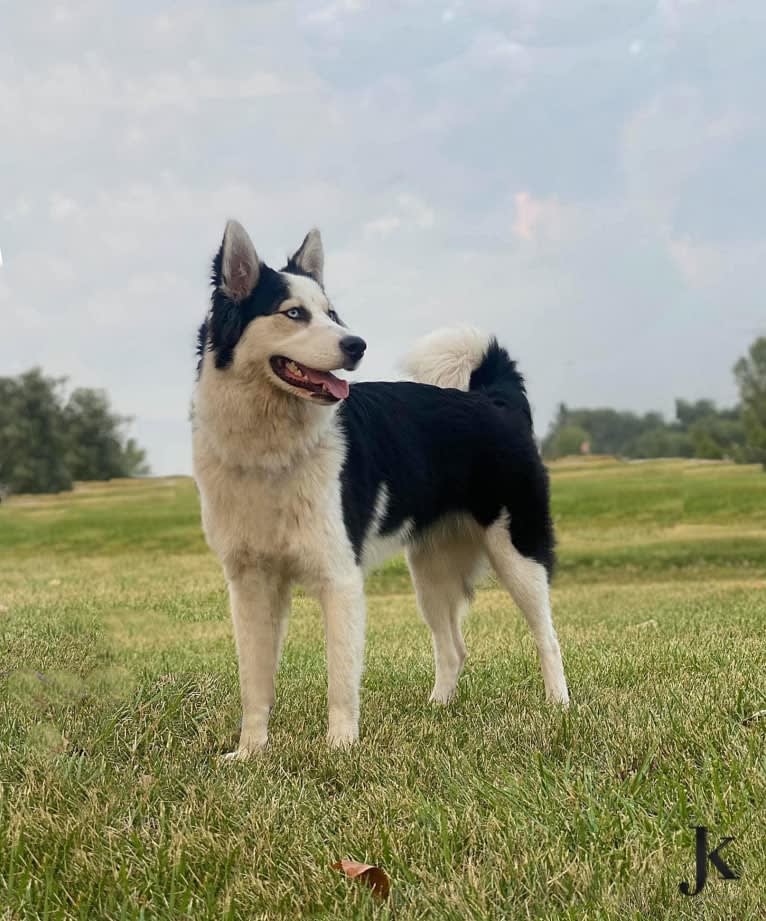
(441, 451)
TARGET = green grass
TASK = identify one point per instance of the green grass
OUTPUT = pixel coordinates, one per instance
(118, 691)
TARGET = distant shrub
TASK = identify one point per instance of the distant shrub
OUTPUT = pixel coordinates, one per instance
(48, 440)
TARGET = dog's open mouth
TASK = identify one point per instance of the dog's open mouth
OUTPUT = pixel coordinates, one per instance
(323, 385)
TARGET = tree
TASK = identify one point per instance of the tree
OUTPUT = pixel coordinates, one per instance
(688, 413)
(46, 443)
(750, 372)
(96, 449)
(32, 434)
(662, 441)
(134, 459)
(568, 440)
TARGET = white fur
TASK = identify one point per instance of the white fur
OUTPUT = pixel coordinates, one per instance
(272, 514)
(267, 464)
(527, 582)
(444, 564)
(377, 547)
(307, 292)
(447, 357)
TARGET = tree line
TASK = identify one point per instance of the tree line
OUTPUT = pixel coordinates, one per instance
(49, 439)
(700, 429)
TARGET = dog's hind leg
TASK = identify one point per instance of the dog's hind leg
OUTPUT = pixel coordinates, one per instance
(527, 582)
(443, 572)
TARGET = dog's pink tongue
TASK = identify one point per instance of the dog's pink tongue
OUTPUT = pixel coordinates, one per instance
(337, 387)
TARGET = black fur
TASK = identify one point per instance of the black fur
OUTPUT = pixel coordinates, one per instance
(201, 345)
(498, 378)
(229, 319)
(442, 451)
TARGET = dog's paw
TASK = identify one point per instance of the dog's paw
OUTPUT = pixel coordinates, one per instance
(342, 727)
(342, 741)
(442, 696)
(342, 736)
(244, 751)
(558, 697)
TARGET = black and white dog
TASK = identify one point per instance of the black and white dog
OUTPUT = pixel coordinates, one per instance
(304, 478)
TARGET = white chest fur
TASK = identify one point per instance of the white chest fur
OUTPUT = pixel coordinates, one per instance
(291, 518)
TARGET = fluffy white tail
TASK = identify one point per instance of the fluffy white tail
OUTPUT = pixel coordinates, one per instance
(447, 357)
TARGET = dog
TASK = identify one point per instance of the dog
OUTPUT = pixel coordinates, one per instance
(305, 478)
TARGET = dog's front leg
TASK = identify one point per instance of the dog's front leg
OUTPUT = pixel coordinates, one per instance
(344, 615)
(260, 603)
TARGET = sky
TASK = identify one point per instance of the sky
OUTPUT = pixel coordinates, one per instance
(585, 179)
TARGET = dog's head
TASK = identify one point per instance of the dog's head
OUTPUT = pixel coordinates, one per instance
(277, 324)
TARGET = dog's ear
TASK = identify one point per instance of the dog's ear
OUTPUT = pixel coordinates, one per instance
(237, 267)
(308, 259)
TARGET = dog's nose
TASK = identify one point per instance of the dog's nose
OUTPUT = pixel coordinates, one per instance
(353, 347)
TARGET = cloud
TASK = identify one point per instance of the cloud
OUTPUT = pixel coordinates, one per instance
(536, 219)
(93, 83)
(63, 208)
(710, 266)
(330, 13)
(411, 214)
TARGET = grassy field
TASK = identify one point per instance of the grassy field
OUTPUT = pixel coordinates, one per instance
(118, 690)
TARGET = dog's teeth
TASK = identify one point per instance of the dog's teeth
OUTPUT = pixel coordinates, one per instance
(294, 369)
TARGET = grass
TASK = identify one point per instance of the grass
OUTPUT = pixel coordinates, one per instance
(118, 691)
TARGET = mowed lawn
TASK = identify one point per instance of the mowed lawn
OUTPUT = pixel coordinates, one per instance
(118, 692)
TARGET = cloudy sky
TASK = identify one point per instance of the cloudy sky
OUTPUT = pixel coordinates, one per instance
(584, 178)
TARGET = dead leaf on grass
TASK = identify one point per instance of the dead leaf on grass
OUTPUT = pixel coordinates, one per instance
(371, 876)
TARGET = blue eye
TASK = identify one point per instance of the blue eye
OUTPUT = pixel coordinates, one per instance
(294, 313)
